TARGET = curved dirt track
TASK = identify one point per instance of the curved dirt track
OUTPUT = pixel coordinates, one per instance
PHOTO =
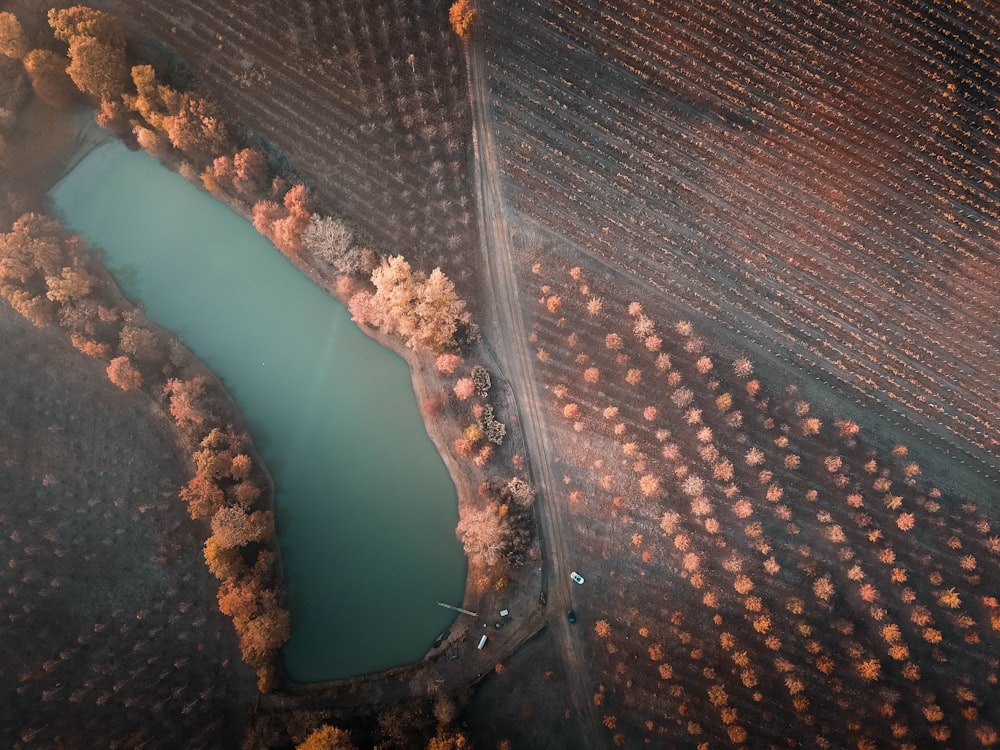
(505, 329)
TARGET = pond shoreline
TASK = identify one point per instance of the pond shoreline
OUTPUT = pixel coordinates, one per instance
(336, 332)
(522, 595)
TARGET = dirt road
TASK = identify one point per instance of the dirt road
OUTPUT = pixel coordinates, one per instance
(505, 332)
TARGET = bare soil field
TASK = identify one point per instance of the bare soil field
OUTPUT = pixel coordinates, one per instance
(111, 632)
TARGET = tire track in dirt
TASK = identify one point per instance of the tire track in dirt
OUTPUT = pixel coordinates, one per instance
(505, 329)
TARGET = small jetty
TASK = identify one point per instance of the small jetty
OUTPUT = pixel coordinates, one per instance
(457, 609)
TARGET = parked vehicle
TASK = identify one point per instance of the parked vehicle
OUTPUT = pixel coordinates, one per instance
(576, 577)
(572, 616)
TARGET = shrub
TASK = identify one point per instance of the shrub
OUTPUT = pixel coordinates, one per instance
(447, 363)
(122, 373)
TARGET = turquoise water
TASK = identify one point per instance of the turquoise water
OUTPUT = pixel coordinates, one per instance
(366, 510)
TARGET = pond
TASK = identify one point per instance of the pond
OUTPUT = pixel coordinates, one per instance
(366, 510)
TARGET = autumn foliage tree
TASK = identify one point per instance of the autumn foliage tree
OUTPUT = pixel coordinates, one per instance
(124, 374)
(223, 562)
(196, 127)
(46, 277)
(12, 41)
(47, 72)
(244, 174)
(96, 50)
(232, 526)
(327, 738)
(203, 496)
(185, 399)
(261, 623)
(463, 19)
(285, 223)
(153, 101)
(425, 310)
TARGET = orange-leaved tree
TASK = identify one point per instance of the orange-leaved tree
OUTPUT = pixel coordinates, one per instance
(463, 19)
(96, 50)
(285, 224)
(12, 41)
(122, 373)
(327, 738)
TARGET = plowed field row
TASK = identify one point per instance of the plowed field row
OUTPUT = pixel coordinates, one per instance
(869, 282)
(824, 338)
(873, 279)
(694, 146)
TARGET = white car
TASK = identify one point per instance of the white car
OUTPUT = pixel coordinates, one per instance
(576, 577)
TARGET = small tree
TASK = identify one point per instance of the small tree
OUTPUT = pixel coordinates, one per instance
(122, 373)
(262, 636)
(196, 128)
(97, 69)
(329, 240)
(96, 50)
(203, 496)
(225, 563)
(152, 101)
(463, 19)
(232, 526)
(70, 285)
(185, 397)
(285, 225)
(12, 41)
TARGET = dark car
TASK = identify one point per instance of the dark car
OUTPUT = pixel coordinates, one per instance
(572, 616)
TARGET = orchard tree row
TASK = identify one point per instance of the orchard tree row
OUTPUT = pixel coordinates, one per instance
(802, 567)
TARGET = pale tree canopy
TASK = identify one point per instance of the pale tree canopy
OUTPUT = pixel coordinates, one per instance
(424, 310)
(329, 240)
(484, 534)
(439, 311)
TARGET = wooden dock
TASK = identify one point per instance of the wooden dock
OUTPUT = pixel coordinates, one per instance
(457, 609)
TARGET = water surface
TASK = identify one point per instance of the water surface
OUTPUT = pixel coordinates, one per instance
(366, 510)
